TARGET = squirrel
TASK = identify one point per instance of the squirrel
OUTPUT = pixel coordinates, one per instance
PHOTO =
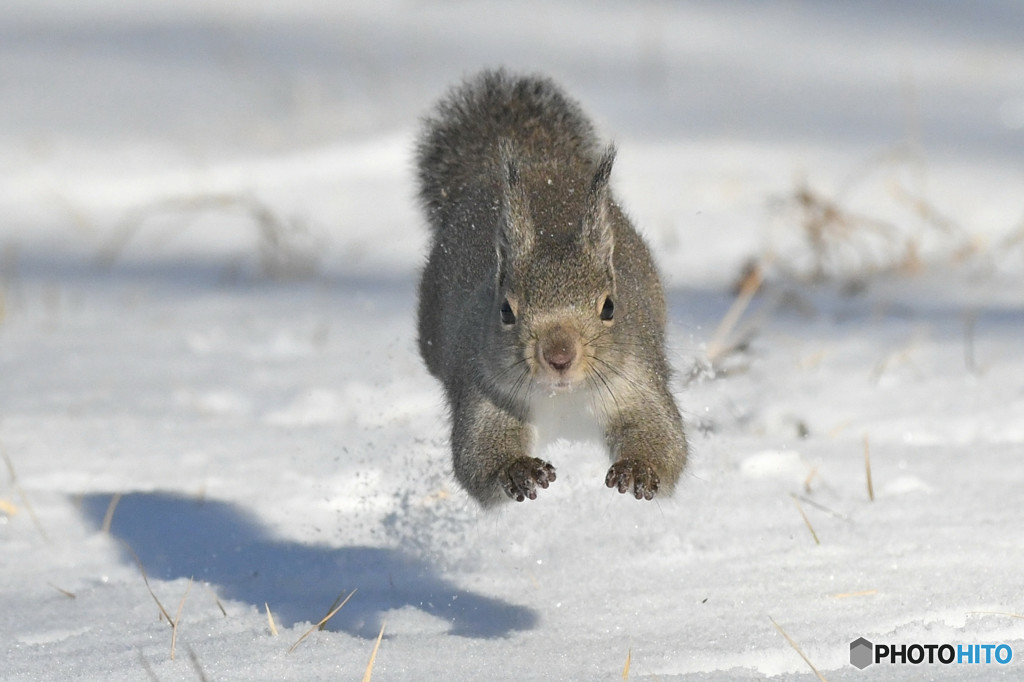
(537, 286)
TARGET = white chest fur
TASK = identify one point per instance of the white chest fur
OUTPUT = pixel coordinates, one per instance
(572, 415)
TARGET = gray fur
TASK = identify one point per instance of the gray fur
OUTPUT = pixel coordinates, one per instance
(527, 245)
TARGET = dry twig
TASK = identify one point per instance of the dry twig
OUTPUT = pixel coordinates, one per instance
(280, 255)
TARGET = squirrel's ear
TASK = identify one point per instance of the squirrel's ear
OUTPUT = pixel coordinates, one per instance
(597, 228)
(516, 236)
(604, 170)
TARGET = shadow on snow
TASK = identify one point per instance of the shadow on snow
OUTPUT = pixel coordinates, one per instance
(181, 537)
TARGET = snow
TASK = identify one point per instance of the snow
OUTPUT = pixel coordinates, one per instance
(208, 256)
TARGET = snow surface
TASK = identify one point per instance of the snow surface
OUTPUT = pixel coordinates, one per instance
(208, 255)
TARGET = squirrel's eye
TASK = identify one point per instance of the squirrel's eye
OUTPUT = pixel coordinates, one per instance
(607, 310)
(507, 316)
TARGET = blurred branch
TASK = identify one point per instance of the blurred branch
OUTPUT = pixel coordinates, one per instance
(280, 254)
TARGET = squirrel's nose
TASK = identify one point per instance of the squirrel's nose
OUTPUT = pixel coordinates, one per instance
(559, 359)
(558, 350)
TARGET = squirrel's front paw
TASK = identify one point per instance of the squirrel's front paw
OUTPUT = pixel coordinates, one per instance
(524, 475)
(633, 475)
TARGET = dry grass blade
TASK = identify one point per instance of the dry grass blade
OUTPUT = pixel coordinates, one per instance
(748, 289)
(820, 507)
(969, 362)
(21, 494)
(270, 620)
(66, 593)
(150, 673)
(173, 622)
(216, 600)
(177, 617)
(326, 618)
(800, 509)
(1009, 614)
(629, 659)
(867, 468)
(196, 665)
(145, 579)
(108, 518)
(373, 655)
(810, 477)
(796, 648)
(334, 605)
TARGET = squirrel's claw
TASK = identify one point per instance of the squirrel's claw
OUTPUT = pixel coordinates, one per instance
(524, 475)
(633, 475)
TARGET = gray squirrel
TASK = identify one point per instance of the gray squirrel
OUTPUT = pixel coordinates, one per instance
(537, 288)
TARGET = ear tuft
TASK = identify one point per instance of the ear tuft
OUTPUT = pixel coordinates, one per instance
(516, 234)
(597, 229)
(604, 171)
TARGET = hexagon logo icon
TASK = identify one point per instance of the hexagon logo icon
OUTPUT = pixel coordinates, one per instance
(861, 653)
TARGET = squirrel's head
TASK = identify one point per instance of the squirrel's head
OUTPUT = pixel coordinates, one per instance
(554, 309)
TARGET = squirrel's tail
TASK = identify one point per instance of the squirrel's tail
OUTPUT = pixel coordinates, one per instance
(458, 151)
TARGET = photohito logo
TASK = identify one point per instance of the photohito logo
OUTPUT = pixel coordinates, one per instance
(863, 653)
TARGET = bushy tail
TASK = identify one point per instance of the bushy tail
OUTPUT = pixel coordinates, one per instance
(458, 150)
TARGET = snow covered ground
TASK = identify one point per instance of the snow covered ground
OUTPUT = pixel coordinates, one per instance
(208, 254)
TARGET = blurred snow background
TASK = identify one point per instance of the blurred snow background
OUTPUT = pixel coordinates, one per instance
(208, 253)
